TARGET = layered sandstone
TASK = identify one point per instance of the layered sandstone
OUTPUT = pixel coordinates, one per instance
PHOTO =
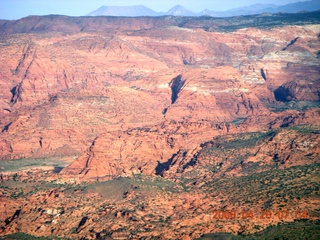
(173, 114)
(120, 81)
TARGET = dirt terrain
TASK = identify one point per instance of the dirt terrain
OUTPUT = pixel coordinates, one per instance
(158, 128)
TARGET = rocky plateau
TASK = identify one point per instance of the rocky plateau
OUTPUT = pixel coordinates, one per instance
(160, 121)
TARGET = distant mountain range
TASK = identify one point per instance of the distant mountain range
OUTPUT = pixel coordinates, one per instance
(127, 11)
(140, 10)
(180, 11)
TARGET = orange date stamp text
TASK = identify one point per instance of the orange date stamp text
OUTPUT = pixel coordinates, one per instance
(263, 214)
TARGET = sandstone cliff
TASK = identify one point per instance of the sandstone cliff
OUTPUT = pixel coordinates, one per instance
(161, 120)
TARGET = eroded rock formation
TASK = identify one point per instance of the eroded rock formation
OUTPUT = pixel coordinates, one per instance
(169, 110)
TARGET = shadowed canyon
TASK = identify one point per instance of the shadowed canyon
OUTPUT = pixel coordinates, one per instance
(144, 128)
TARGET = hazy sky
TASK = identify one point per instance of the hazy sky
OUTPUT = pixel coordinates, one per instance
(15, 9)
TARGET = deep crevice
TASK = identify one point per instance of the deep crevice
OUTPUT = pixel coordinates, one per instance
(16, 94)
(263, 74)
(14, 216)
(193, 161)
(81, 223)
(162, 167)
(291, 43)
(283, 94)
(176, 85)
(40, 142)
(164, 111)
(13, 92)
(6, 127)
(57, 169)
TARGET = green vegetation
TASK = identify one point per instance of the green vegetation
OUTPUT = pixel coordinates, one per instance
(22, 189)
(264, 186)
(230, 144)
(275, 185)
(298, 230)
(29, 163)
(238, 121)
(24, 236)
(267, 21)
(306, 129)
(113, 190)
(299, 106)
(246, 140)
(144, 185)
(232, 150)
